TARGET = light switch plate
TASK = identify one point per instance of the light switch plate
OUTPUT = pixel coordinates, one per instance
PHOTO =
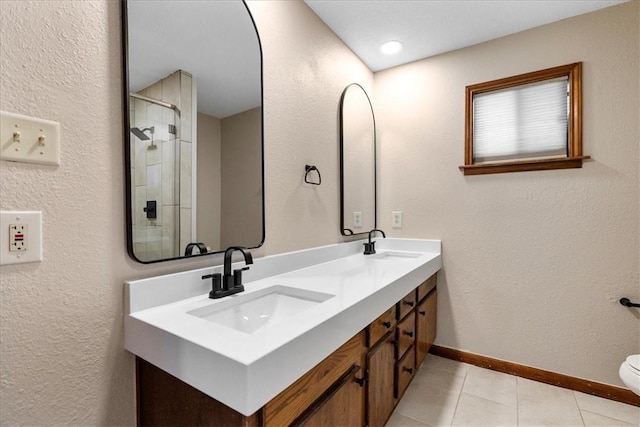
(29, 223)
(29, 140)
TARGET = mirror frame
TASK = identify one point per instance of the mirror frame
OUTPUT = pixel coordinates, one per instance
(343, 229)
(127, 141)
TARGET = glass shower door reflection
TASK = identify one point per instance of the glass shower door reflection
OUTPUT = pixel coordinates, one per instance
(155, 154)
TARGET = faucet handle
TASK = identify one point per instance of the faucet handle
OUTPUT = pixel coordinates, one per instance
(237, 277)
(216, 283)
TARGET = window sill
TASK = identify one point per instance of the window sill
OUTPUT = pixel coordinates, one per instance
(524, 165)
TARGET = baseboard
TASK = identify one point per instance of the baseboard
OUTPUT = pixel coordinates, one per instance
(607, 391)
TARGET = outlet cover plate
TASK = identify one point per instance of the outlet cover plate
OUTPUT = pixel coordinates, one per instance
(29, 140)
(33, 236)
(357, 220)
(396, 219)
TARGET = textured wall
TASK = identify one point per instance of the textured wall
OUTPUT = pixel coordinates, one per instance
(61, 356)
(534, 262)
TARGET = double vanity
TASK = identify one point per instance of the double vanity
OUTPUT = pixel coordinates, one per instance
(319, 336)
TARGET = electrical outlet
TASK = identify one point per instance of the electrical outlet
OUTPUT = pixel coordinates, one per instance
(357, 220)
(396, 219)
(20, 237)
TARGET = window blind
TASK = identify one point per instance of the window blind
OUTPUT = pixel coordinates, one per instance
(522, 122)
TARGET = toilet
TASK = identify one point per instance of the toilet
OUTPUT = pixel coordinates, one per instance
(630, 373)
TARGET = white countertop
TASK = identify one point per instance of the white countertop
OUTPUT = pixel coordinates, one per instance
(245, 371)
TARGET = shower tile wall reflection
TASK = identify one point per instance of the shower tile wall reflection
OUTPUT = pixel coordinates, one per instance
(161, 168)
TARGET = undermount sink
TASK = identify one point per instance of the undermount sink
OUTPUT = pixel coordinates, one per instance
(394, 256)
(252, 312)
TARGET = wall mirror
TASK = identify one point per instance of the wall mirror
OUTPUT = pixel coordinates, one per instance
(357, 162)
(193, 127)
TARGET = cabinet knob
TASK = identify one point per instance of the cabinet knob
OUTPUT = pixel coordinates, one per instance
(422, 312)
(409, 303)
(386, 324)
(410, 370)
(408, 333)
(361, 381)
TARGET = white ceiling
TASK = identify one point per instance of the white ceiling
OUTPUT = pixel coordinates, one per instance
(431, 27)
(206, 38)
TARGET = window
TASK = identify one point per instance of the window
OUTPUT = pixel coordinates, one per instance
(526, 122)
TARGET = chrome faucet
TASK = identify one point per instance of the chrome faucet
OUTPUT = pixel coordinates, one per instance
(370, 248)
(226, 284)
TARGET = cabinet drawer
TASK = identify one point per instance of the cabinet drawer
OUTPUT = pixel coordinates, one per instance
(426, 287)
(406, 333)
(379, 327)
(405, 370)
(406, 304)
(292, 402)
(425, 325)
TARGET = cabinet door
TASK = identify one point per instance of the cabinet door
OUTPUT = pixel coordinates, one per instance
(425, 326)
(342, 405)
(380, 367)
(312, 386)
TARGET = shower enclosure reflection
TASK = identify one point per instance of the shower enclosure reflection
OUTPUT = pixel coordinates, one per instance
(160, 169)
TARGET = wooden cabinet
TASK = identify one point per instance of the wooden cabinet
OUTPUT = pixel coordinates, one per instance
(426, 287)
(406, 333)
(379, 327)
(406, 304)
(425, 326)
(391, 361)
(289, 405)
(164, 400)
(405, 370)
(380, 384)
(359, 384)
(341, 405)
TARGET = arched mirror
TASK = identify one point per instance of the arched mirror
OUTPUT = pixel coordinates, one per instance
(357, 161)
(193, 136)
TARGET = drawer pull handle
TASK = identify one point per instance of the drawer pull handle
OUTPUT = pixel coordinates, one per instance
(409, 303)
(408, 333)
(422, 312)
(627, 303)
(386, 324)
(410, 370)
(361, 381)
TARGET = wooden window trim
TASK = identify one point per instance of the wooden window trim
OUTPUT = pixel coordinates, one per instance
(574, 158)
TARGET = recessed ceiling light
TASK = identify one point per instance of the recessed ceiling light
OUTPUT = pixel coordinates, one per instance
(391, 47)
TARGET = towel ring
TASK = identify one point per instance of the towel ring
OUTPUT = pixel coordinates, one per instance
(307, 170)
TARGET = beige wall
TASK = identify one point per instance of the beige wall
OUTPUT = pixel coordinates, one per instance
(534, 262)
(241, 222)
(209, 181)
(306, 69)
(61, 356)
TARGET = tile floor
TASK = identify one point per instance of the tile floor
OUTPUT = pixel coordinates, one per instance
(449, 393)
